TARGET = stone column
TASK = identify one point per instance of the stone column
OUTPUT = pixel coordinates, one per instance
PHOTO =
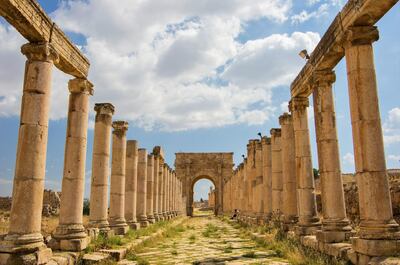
(70, 234)
(289, 192)
(259, 183)
(307, 208)
(173, 190)
(379, 233)
(131, 184)
(161, 190)
(117, 189)
(267, 177)
(150, 187)
(276, 168)
(26, 211)
(100, 167)
(156, 169)
(165, 197)
(334, 222)
(251, 168)
(142, 189)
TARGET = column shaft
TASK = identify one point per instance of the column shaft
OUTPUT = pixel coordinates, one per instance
(150, 187)
(376, 214)
(307, 207)
(267, 177)
(73, 183)
(276, 168)
(117, 189)
(131, 184)
(156, 169)
(100, 167)
(142, 188)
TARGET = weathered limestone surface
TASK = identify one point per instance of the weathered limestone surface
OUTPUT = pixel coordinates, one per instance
(142, 188)
(118, 169)
(276, 168)
(267, 176)
(289, 189)
(156, 173)
(377, 223)
(100, 167)
(307, 208)
(131, 184)
(26, 210)
(334, 223)
(150, 187)
(73, 185)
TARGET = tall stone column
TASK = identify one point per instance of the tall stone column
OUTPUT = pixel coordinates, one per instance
(173, 190)
(142, 188)
(307, 207)
(289, 191)
(267, 177)
(379, 233)
(150, 187)
(131, 184)
(276, 168)
(161, 190)
(100, 167)
(26, 211)
(334, 223)
(70, 234)
(259, 182)
(117, 189)
(156, 169)
(164, 191)
(251, 171)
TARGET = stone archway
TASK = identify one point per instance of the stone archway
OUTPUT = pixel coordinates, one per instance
(216, 167)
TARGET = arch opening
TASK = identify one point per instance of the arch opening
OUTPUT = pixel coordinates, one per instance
(204, 196)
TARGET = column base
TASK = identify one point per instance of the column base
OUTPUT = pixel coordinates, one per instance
(376, 248)
(156, 217)
(134, 225)
(102, 225)
(74, 245)
(144, 222)
(306, 230)
(333, 236)
(120, 229)
(41, 255)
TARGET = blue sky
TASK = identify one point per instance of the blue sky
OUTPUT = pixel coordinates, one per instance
(198, 78)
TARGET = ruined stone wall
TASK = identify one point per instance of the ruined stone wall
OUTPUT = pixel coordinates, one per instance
(351, 195)
(51, 203)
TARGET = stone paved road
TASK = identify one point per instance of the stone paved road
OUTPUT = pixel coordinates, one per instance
(208, 240)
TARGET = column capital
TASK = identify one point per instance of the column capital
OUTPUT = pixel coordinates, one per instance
(298, 103)
(158, 152)
(80, 85)
(275, 132)
(285, 118)
(361, 35)
(120, 126)
(40, 52)
(323, 78)
(104, 108)
(266, 140)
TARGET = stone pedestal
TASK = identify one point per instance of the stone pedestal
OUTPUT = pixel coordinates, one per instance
(277, 183)
(289, 192)
(131, 184)
(100, 167)
(24, 235)
(142, 188)
(379, 233)
(70, 234)
(117, 189)
(335, 225)
(150, 187)
(308, 221)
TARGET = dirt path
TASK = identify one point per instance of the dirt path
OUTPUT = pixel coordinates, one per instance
(207, 240)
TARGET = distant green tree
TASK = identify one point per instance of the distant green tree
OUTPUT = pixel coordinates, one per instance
(316, 173)
(86, 207)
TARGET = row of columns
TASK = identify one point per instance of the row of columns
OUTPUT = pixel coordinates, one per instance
(288, 192)
(143, 189)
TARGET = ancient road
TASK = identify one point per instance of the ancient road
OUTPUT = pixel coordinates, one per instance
(207, 240)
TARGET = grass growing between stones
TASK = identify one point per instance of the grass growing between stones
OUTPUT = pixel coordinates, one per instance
(286, 247)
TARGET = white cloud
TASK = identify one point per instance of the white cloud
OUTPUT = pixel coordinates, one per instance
(6, 181)
(348, 159)
(391, 127)
(285, 106)
(304, 15)
(171, 65)
(394, 157)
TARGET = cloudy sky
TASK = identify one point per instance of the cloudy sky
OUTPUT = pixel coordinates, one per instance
(193, 76)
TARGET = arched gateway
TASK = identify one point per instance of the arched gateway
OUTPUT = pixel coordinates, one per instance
(216, 167)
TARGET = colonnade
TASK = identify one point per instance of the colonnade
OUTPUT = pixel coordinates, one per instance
(143, 188)
(287, 188)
